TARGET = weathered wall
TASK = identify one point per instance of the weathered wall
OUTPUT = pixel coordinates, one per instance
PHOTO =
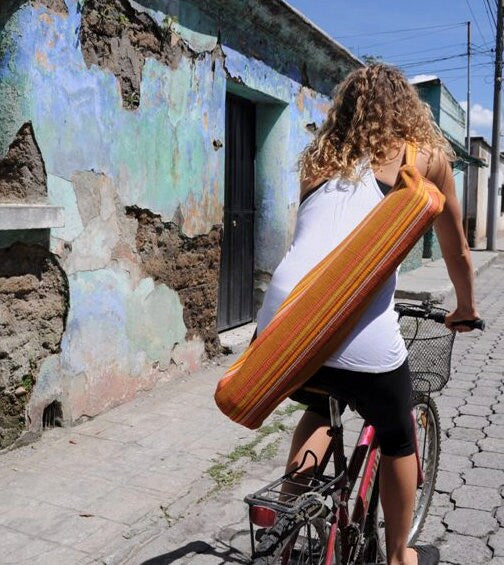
(33, 308)
(450, 117)
(33, 288)
(126, 102)
(452, 120)
(189, 265)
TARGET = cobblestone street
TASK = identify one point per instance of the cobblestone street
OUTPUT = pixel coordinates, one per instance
(467, 517)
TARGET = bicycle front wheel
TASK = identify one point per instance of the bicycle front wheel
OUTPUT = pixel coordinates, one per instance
(428, 433)
(297, 544)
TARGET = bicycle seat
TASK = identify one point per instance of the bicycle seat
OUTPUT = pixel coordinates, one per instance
(321, 386)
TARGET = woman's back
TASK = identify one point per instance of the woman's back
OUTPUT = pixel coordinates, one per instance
(324, 219)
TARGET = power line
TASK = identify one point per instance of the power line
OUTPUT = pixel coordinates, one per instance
(457, 77)
(488, 11)
(417, 35)
(485, 52)
(433, 71)
(475, 64)
(479, 49)
(406, 55)
(399, 30)
(486, 45)
(493, 12)
(427, 61)
(398, 60)
(475, 20)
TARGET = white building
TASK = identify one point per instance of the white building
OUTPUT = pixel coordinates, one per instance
(479, 178)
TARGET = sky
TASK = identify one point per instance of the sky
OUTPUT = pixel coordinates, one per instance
(415, 36)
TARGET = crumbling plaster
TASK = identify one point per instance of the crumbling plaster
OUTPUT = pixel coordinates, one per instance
(22, 171)
(33, 312)
(122, 328)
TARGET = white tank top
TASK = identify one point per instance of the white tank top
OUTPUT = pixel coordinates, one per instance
(324, 219)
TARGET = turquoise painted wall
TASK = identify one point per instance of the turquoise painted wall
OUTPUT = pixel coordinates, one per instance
(101, 157)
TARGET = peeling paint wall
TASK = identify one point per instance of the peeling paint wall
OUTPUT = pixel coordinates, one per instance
(126, 101)
(189, 265)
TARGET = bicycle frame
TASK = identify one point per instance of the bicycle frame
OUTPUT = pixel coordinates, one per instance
(345, 530)
(364, 462)
(367, 453)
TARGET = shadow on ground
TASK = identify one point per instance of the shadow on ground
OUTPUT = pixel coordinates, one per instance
(223, 551)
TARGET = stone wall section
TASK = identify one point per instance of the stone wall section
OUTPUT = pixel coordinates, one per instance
(33, 309)
(57, 6)
(189, 265)
(23, 176)
(34, 296)
(117, 37)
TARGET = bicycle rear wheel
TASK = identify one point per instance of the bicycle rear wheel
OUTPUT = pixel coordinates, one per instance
(428, 432)
(293, 543)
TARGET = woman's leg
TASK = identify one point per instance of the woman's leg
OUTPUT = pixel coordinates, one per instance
(384, 400)
(310, 433)
(398, 480)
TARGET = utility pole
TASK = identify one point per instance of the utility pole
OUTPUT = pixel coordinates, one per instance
(494, 170)
(468, 134)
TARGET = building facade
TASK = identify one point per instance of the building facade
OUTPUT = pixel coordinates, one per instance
(451, 119)
(138, 139)
(479, 179)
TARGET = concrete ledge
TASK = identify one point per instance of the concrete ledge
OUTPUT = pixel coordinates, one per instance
(431, 280)
(237, 339)
(30, 216)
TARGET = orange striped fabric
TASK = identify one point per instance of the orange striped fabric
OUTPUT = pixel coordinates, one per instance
(325, 305)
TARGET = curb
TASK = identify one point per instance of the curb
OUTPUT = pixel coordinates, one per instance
(431, 281)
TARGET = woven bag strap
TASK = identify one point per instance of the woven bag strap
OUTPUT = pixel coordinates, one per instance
(411, 153)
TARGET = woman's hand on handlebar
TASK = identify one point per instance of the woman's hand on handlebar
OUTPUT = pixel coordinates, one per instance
(454, 320)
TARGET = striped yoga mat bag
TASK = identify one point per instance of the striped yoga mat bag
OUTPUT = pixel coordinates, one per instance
(320, 312)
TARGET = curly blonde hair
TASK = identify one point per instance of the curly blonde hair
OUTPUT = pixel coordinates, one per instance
(374, 112)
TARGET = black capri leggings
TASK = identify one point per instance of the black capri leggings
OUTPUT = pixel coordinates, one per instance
(383, 399)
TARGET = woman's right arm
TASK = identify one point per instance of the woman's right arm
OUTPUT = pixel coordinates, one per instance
(454, 247)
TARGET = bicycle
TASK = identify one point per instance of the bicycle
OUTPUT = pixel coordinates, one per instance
(313, 525)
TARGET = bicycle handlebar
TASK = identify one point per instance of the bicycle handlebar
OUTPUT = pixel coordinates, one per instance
(417, 311)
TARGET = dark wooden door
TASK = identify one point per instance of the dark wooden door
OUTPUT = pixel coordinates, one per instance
(237, 255)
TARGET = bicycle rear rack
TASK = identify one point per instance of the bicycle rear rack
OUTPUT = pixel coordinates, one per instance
(309, 490)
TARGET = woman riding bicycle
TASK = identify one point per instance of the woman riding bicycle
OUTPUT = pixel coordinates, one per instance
(346, 170)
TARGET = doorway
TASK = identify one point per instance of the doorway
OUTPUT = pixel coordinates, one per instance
(236, 287)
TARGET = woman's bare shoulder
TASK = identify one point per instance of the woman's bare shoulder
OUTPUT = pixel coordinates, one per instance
(434, 165)
(432, 162)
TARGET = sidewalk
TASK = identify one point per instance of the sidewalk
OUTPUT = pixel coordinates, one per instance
(431, 281)
(161, 479)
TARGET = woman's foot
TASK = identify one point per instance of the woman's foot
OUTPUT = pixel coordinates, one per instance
(426, 554)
